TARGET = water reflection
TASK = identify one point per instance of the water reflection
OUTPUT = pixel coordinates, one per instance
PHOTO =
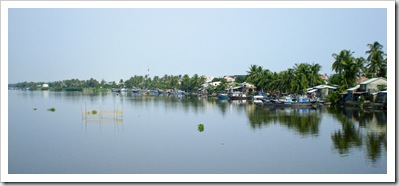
(152, 128)
(304, 121)
(346, 138)
(360, 128)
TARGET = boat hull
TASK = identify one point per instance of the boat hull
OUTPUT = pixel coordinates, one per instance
(290, 105)
(223, 97)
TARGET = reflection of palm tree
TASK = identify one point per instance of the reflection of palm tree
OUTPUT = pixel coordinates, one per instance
(222, 106)
(346, 138)
(374, 145)
(305, 124)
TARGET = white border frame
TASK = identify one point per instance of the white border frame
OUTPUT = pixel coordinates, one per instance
(389, 177)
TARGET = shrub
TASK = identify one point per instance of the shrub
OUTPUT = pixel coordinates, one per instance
(361, 99)
(333, 98)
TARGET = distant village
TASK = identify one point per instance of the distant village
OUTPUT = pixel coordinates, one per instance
(357, 82)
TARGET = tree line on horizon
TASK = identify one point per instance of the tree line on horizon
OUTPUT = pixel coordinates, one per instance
(294, 80)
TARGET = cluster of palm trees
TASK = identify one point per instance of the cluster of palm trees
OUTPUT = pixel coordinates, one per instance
(349, 68)
(184, 82)
(296, 79)
(302, 76)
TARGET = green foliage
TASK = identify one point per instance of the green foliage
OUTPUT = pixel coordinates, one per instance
(333, 97)
(377, 61)
(240, 79)
(346, 67)
(296, 79)
(217, 79)
(94, 112)
(201, 127)
(52, 109)
(222, 86)
(382, 87)
(361, 99)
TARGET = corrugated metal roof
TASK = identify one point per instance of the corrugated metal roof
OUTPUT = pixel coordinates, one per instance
(324, 86)
(310, 91)
(353, 88)
(371, 80)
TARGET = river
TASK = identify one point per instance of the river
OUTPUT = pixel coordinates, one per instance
(126, 133)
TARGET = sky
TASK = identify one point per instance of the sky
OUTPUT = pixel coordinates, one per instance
(57, 44)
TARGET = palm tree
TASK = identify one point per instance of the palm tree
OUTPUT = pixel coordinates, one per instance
(376, 62)
(299, 82)
(314, 77)
(342, 60)
(265, 79)
(343, 65)
(359, 67)
(255, 75)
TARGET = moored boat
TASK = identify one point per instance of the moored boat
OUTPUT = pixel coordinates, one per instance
(223, 96)
(136, 91)
(287, 102)
(238, 96)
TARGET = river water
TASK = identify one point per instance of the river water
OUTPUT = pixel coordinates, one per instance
(111, 133)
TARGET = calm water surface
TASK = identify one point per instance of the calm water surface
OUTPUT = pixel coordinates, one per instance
(159, 134)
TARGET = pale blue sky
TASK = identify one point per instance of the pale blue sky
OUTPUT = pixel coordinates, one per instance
(112, 44)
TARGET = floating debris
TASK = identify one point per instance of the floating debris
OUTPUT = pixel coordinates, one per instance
(201, 127)
(34, 108)
(94, 112)
(52, 109)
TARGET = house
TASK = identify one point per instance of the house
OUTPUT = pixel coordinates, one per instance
(324, 78)
(373, 85)
(321, 91)
(352, 94)
(209, 79)
(229, 79)
(366, 89)
(244, 87)
(361, 79)
(381, 97)
(44, 86)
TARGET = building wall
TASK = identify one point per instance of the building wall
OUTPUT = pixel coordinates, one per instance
(373, 86)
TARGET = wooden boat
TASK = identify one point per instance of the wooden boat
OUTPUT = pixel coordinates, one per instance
(223, 96)
(238, 96)
(258, 99)
(288, 103)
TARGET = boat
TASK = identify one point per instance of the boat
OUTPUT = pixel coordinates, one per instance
(238, 96)
(223, 96)
(115, 90)
(136, 91)
(118, 90)
(259, 98)
(287, 102)
(151, 92)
